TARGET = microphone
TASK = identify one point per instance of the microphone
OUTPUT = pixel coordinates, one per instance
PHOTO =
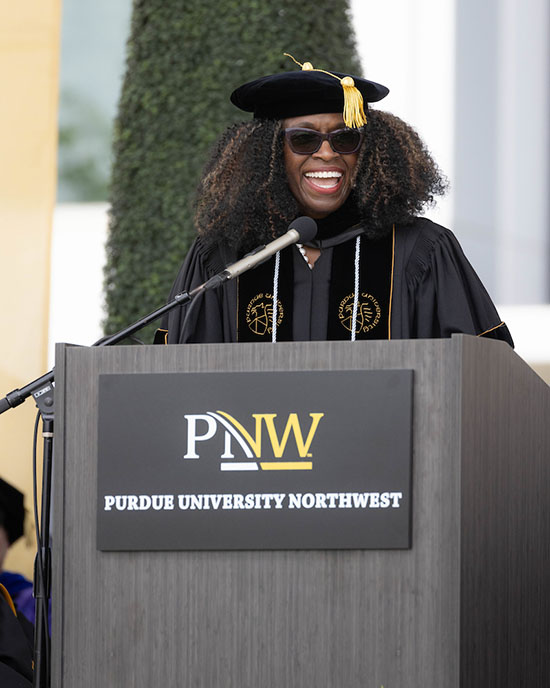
(302, 229)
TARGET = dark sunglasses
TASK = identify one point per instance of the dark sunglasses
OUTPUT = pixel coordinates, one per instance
(308, 141)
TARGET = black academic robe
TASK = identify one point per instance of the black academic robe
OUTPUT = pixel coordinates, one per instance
(435, 292)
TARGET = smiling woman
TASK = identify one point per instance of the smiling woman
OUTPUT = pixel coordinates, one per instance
(375, 270)
(320, 179)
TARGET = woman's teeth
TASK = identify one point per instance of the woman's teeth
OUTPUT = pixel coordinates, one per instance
(326, 179)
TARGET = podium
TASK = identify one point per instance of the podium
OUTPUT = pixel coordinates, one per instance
(467, 605)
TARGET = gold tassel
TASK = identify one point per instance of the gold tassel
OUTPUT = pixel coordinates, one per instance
(354, 114)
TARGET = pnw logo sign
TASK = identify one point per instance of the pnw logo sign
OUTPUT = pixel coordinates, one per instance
(268, 449)
(340, 463)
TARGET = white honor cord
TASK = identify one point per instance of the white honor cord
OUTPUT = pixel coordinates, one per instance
(275, 296)
(356, 289)
(355, 296)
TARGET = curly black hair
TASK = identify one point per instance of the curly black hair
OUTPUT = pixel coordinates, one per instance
(243, 197)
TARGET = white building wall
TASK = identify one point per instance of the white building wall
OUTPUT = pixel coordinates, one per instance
(523, 152)
(77, 259)
(502, 144)
(408, 45)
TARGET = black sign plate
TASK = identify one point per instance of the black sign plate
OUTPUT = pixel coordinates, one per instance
(278, 460)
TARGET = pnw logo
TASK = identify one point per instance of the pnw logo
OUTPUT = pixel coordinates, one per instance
(265, 450)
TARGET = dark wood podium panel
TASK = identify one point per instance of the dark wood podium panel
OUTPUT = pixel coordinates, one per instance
(466, 606)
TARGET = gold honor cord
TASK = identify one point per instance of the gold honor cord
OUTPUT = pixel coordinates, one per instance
(391, 281)
(354, 114)
(490, 330)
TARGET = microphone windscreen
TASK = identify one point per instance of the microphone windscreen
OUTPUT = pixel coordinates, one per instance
(306, 228)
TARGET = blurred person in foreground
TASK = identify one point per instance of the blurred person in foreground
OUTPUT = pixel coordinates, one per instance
(12, 518)
(376, 270)
(16, 600)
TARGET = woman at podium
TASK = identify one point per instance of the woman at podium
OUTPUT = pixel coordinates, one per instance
(375, 270)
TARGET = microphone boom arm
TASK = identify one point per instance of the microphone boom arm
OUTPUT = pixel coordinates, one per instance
(305, 230)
